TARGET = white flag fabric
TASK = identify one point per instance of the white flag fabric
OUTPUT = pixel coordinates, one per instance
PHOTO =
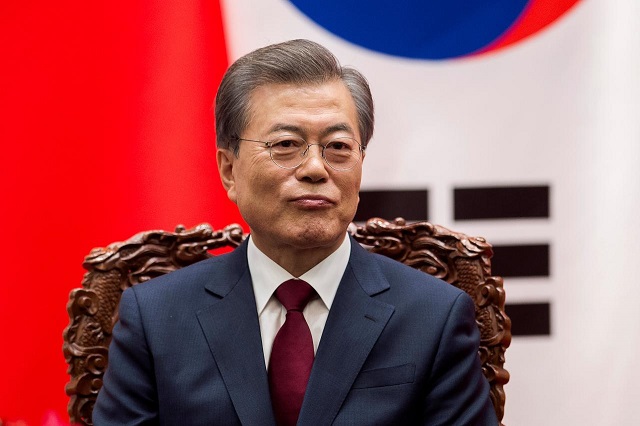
(558, 109)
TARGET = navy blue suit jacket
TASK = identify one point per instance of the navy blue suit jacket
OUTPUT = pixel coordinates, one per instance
(399, 347)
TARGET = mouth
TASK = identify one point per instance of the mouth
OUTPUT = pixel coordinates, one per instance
(312, 201)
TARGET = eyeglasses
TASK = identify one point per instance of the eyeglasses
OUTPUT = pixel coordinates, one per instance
(289, 151)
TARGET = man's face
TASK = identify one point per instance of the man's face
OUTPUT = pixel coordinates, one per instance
(308, 207)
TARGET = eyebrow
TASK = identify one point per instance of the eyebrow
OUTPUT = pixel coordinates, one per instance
(339, 127)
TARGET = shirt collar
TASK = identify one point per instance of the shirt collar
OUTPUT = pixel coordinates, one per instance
(266, 275)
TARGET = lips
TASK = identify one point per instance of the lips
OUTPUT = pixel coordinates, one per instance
(313, 201)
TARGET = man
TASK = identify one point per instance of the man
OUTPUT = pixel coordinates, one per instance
(370, 341)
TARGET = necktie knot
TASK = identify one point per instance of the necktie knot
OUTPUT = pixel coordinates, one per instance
(294, 294)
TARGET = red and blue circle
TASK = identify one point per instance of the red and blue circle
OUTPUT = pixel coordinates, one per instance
(434, 29)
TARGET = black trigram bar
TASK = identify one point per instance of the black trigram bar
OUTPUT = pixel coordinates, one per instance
(520, 260)
(529, 319)
(501, 202)
(408, 204)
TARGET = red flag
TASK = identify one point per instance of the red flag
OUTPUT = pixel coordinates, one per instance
(106, 130)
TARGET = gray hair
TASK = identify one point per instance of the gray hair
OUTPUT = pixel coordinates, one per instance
(300, 62)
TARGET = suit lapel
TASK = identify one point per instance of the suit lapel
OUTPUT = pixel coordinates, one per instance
(232, 330)
(353, 326)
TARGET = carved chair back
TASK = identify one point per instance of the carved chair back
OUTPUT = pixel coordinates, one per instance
(93, 309)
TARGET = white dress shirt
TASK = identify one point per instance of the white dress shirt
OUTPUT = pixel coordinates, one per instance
(267, 275)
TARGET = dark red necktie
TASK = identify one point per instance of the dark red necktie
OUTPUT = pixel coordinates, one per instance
(292, 353)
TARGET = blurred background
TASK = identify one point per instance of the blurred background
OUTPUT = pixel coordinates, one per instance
(516, 120)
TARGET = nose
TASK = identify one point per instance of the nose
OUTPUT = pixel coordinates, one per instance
(313, 166)
(320, 150)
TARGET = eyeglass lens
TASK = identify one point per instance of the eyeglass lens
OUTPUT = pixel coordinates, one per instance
(340, 153)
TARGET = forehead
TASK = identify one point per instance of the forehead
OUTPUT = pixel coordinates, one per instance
(308, 107)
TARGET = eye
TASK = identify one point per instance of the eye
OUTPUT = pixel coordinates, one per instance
(341, 145)
(287, 144)
(337, 146)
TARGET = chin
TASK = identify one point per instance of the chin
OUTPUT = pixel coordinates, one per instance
(318, 236)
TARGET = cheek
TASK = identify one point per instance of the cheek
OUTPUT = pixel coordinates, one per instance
(351, 192)
(356, 190)
(253, 190)
(354, 185)
(242, 187)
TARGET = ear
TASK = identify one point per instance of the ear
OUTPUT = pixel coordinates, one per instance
(225, 159)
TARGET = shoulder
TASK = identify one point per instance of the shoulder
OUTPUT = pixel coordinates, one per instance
(191, 281)
(403, 279)
(417, 297)
(186, 276)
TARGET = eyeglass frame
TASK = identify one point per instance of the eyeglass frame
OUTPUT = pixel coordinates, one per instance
(268, 144)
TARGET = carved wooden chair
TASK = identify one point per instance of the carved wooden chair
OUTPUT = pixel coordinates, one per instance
(93, 309)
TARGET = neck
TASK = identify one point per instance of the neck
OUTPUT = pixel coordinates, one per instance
(297, 260)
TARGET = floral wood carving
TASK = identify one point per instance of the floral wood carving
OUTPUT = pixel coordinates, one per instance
(93, 309)
(463, 262)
